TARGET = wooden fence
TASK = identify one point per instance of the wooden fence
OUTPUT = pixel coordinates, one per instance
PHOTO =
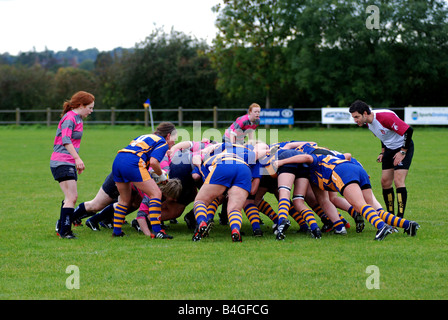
(214, 117)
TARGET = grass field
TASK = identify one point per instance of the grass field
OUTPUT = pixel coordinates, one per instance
(34, 260)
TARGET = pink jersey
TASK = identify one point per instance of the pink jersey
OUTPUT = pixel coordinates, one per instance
(69, 131)
(240, 128)
(389, 128)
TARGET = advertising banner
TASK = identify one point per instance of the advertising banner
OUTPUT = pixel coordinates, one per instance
(336, 116)
(426, 115)
(277, 116)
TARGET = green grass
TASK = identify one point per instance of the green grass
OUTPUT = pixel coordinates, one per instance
(34, 259)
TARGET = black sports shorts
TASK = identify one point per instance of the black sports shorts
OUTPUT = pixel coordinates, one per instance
(64, 173)
(388, 158)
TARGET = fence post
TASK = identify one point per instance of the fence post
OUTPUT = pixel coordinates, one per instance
(215, 117)
(146, 117)
(17, 116)
(48, 117)
(180, 115)
(112, 116)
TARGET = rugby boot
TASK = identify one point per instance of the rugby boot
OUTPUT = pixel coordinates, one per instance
(161, 235)
(281, 229)
(92, 225)
(236, 235)
(412, 229)
(383, 232)
(316, 233)
(199, 232)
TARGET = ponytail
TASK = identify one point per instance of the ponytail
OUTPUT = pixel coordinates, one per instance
(165, 128)
(79, 99)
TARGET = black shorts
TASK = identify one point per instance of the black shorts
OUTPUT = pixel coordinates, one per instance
(64, 173)
(109, 187)
(269, 183)
(300, 170)
(388, 158)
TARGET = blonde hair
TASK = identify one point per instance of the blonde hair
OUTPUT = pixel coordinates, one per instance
(172, 188)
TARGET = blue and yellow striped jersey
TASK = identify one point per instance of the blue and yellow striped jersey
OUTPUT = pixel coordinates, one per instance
(147, 146)
(321, 171)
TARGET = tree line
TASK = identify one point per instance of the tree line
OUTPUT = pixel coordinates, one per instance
(279, 53)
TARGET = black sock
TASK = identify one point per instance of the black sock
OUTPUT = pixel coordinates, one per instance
(106, 213)
(389, 199)
(65, 220)
(402, 198)
(80, 212)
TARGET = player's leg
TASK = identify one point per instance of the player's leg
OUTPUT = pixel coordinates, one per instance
(402, 193)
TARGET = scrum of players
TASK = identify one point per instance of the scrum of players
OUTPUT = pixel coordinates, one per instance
(312, 184)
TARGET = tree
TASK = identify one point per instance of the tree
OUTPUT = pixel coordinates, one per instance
(249, 51)
(337, 59)
(170, 69)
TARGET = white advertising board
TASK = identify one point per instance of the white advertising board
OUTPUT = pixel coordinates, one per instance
(426, 115)
(336, 116)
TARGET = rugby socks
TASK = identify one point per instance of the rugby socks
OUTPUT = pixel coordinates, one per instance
(253, 215)
(80, 212)
(392, 220)
(200, 211)
(119, 215)
(309, 218)
(352, 212)
(283, 209)
(212, 208)
(371, 215)
(266, 209)
(319, 211)
(65, 220)
(155, 212)
(343, 220)
(338, 225)
(235, 220)
(402, 197)
(298, 217)
(389, 198)
(104, 214)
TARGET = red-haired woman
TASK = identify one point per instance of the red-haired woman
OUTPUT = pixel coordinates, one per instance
(65, 162)
(244, 125)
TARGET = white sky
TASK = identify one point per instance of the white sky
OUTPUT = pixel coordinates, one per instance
(101, 24)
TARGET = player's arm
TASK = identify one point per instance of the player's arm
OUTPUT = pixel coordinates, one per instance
(155, 165)
(180, 146)
(399, 156)
(301, 158)
(407, 139)
(380, 156)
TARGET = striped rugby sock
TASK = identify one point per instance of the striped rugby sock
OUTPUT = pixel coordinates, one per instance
(283, 209)
(119, 215)
(309, 218)
(393, 220)
(253, 215)
(212, 208)
(200, 211)
(266, 209)
(298, 217)
(235, 219)
(155, 212)
(371, 215)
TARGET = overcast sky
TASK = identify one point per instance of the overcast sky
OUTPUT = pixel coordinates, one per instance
(26, 25)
